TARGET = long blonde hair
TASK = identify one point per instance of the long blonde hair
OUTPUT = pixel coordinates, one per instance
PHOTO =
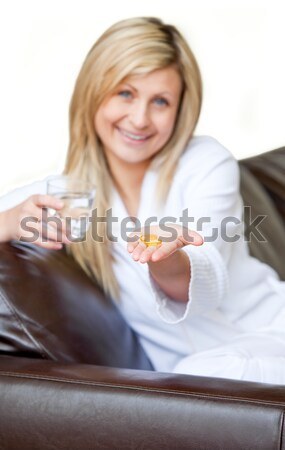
(131, 47)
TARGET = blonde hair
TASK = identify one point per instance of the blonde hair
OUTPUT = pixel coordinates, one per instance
(131, 47)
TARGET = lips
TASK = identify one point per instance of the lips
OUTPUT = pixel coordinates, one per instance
(133, 136)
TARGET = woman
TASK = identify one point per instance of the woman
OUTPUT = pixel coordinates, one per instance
(205, 308)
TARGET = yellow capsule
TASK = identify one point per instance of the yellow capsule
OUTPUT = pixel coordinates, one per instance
(150, 240)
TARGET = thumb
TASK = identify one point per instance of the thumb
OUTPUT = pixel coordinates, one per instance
(190, 237)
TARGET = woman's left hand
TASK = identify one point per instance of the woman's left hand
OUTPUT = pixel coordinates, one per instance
(171, 241)
(169, 266)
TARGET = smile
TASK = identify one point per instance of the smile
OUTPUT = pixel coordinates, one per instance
(134, 137)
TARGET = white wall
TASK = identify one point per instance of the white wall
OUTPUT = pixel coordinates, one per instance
(239, 46)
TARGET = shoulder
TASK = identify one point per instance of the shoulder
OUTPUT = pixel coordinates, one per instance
(205, 158)
(206, 149)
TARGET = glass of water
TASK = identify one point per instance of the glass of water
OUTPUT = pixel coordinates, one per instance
(78, 197)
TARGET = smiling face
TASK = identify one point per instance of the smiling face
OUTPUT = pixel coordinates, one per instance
(136, 121)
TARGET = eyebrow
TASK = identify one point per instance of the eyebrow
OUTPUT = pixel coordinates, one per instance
(155, 95)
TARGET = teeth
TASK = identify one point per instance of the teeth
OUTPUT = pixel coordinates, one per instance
(132, 136)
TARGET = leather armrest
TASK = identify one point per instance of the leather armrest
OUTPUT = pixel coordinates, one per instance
(263, 190)
(49, 308)
(267, 243)
(269, 169)
(47, 405)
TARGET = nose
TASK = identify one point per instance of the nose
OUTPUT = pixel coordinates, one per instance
(139, 115)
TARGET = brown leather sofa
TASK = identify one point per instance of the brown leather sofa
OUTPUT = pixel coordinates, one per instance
(74, 376)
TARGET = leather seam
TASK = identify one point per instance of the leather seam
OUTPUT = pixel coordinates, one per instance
(281, 430)
(141, 388)
(20, 323)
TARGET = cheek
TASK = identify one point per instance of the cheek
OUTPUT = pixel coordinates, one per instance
(166, 125)
(107, 115)
(113, 112)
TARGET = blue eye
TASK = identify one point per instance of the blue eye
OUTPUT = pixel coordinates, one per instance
(161, 101)
(125, 94)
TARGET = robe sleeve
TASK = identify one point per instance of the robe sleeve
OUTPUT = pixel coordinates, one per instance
(215, 208)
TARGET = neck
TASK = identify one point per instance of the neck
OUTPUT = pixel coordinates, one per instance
(128, 180)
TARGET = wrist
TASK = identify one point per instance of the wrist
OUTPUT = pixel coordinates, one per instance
(172, 266)
(172, 275)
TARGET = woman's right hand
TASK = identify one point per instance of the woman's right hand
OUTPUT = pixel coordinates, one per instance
(28, 222)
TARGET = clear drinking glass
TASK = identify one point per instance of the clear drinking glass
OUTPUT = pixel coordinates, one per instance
(78, 197)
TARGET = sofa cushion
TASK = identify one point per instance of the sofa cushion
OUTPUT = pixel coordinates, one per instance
(269, 169)
(49, 308)
(263, 189)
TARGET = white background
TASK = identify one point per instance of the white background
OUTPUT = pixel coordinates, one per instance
(239, 46)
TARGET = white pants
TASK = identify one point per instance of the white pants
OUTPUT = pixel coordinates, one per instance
(257, 356)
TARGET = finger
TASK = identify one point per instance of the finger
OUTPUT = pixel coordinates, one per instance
(53, 223)
(29, 228)
(140, 248)
(166, 249)
(132, 245)
(61, 225)
(54, 233)
(41, 213)
(43, 200)
(190, 237)
(146, 255)
(50, 245)
(133, 240)
(53, 228)
(38, 232)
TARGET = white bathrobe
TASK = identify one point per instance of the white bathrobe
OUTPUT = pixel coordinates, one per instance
(233, 323)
